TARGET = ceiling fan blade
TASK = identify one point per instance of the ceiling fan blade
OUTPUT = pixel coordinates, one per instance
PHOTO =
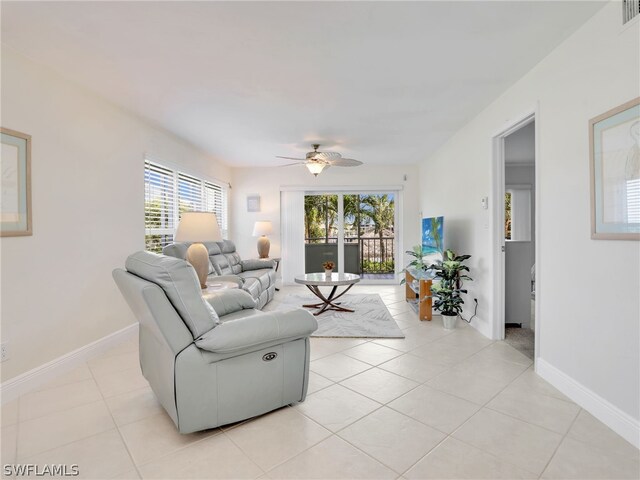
(345, 162)
(292, 164)
(325, 155)
(292, 158)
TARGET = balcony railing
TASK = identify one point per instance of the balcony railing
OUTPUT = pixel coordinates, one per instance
(372, 255)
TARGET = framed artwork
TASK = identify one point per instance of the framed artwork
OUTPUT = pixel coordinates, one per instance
(432, 239)
(253, 203)
(15, 184)
(614, 139)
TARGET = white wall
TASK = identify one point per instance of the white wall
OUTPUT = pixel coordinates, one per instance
(266, 182)
(587, 289)
(57, 293)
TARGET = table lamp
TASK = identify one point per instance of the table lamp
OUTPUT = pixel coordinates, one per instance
(198, 227)
(262, 229)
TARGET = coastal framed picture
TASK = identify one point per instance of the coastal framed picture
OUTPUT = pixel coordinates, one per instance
(432, 239)
(614, 139)
(15, 184)
(253, 203)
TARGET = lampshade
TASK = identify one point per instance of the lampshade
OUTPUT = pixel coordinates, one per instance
(198, 227)
(262, 228)
(315, 167)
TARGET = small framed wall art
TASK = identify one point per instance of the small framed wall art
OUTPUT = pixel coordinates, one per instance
(253, 203)
(15, 184)
(614, 143)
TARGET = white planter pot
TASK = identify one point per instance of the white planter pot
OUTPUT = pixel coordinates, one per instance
(328, 272)
(449, 321)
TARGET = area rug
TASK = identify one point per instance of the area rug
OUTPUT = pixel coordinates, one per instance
(371, 319)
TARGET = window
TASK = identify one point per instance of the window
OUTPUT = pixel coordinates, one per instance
(507, 216)
(168, 193)
(159, 206)
(517, 213)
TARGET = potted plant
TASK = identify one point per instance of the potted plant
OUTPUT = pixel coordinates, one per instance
(328, 268)
(416, 265)
(450, 272)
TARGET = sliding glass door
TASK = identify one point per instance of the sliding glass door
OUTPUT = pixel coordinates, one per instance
(320, 231)
(356, 231)
(369, 221)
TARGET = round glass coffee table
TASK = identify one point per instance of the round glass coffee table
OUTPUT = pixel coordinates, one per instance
(313, 281)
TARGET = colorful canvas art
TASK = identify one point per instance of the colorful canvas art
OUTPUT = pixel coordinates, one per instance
(432, 239)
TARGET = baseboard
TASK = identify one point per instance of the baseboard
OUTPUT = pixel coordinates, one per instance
(28, 381)
(620, 422)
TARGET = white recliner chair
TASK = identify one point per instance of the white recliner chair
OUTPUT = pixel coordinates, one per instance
(213, 360)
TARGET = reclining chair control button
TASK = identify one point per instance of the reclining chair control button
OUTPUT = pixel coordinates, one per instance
(267, 357)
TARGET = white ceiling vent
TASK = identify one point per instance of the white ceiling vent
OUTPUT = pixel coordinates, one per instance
(630, 8)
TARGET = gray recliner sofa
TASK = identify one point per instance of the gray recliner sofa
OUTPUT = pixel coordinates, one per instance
(212, 360)
(257, 277)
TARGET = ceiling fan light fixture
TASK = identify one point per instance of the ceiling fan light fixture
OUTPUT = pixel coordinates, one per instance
(315, 167)
(317, 161)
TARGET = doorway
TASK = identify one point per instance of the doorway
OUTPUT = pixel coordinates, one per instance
(519, 149)
(355, 231)
(514, 214)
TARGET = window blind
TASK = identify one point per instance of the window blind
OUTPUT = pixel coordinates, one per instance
(190, 198)
(159, 212)
(633, 201)
(169, 193)
(215, 200)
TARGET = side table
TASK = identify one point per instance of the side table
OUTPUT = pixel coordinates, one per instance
(418, 294)
(313, 281)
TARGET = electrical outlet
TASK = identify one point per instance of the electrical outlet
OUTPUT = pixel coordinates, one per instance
(4, 355)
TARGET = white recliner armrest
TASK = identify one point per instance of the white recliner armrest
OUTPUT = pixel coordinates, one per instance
(255, 330)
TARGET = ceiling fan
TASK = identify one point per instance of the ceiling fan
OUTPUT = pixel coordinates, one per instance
(317, 161)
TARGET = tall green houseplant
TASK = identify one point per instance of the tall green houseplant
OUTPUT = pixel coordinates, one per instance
(416, 265)
(451, 272)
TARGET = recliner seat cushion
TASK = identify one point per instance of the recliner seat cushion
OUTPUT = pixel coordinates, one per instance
(221, 265)
(180, 283)
(227, 246)
(234, 262)
(212, 249)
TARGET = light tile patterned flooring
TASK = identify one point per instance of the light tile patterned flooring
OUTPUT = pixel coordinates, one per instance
(436, 404)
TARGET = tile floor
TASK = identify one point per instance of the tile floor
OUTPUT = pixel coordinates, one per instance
(436, 404)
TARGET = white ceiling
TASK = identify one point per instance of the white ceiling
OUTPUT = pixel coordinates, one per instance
(383, 82)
